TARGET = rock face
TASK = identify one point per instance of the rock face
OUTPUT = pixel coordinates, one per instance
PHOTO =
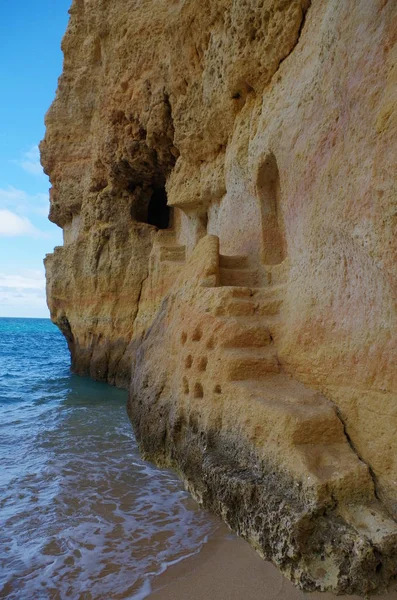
(224, 174)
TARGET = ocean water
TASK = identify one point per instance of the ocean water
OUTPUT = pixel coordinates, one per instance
(82, 516)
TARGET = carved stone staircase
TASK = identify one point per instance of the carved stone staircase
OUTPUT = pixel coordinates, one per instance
(250, 316)
(167, 258)
(235, 271)
(234, 386)
(168, 250)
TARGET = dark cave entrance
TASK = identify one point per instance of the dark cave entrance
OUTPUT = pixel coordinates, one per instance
(159, 214)
(149, 205)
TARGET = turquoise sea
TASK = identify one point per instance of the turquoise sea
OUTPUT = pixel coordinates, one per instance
(82, 516)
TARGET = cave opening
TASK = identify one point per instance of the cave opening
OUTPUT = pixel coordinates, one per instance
(159, 213)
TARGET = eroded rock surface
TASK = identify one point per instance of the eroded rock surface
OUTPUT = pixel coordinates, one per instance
(224, 174)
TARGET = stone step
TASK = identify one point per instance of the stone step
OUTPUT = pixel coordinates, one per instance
(372, 521)
(281, 387)
(268, 321)
(330, 461)
(240, 306)
(239, 301)
(240, 292)
(233, 262)
(238, 277)
(245, 334)
(175, 265)
(269, 299)
(308, 416)
(270, 291)
(248, 363)
(269, 306)
(173, 253)
(165, 236)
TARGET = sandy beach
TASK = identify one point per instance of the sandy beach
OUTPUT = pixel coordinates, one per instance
(229, 569)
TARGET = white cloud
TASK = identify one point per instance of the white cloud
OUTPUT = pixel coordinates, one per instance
(32, 279)
(31, 161)
(23, 294)
(20, 201)
(12, 194)
(12, 225)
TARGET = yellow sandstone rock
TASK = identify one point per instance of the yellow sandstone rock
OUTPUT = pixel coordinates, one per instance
(224, 174)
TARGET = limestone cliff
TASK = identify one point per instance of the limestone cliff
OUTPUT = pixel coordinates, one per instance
(224, 174)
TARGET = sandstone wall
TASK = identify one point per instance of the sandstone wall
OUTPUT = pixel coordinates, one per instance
(271, 125)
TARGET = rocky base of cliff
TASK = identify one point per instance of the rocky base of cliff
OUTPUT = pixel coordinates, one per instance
(317, 544)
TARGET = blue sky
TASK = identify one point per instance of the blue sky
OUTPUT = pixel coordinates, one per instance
(30, 64)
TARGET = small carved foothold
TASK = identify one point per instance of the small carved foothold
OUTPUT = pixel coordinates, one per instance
(197, 334)
(202, 365)
(210, 343)
(198, 390)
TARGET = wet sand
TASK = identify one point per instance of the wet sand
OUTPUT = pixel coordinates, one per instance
(229, 569)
